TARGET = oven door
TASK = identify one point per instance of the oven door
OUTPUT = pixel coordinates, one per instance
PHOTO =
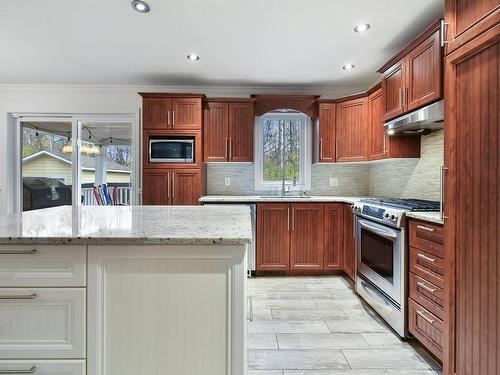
(380, 257)
(171, 151)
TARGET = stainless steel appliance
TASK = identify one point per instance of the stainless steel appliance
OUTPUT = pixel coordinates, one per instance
(420, 121)
(382, 255)
(171, 150)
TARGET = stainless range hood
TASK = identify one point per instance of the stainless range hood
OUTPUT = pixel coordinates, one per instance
(421, 121)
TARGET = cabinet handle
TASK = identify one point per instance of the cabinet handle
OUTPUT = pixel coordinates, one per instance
(441, 192)
(288, 216)
(336, 149)
(425, 287)
(320, 149)
(173, 185)
(19, 296)
(428, 320)
(173, 119)
(425, 257)
(29, 371)
(385, 143)
(230, 148)
(425, 228)
(13, 252)
(226, 156)
(442, 33)
(293, 219)
(168, 119)
(250, 308)
(168, 185)
(405, 96)
(401, 93)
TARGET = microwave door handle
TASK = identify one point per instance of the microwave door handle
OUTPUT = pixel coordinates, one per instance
(378, 230)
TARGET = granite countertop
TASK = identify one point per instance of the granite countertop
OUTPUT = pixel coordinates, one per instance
(202, 225)
(277, 198)
(433, 217)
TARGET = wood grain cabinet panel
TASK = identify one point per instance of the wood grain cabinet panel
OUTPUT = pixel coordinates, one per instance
(352, 124)
(349, 243)
(377, 138)
(216, 130)
(427, 328)
(241, 124)
(428, 295)
(155, 187)
(185, 186)
(186, 113)
(333, 240)
(472, 141)
(424, 73)
(427, 236)
(306, 248)
(273, 236)
(393, 81)
(157, 113)
(327, 138)
(427, 266)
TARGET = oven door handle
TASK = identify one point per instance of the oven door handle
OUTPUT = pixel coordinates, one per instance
(381, 231)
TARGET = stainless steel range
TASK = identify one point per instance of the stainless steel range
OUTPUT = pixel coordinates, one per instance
(382, 255)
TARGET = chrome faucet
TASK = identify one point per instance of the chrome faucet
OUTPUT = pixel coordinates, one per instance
(283, 190)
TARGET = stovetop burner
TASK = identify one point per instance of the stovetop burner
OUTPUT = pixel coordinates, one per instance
(405, 204)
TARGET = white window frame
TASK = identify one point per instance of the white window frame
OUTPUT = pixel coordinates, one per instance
(304, 184)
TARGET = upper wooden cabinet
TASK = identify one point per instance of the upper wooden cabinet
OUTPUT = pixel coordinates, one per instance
(327, 119)
(413, 78)
(172, 111)
(377, 139)
(466, 19)
(352, 120)
(228, 131)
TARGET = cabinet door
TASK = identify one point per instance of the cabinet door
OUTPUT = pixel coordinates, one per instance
(156, 187)
(186, 113)
(466, 19)
(306, 248)
(472, 243)
(327, 117)
(186, 186)
(393, 82)
(241, 123)
(157, 113)
(273, 236)
(42, 323)
(376, 136)
(424, 73)
(215, 135)
(352, 124)
(349, 243)
(333, 238)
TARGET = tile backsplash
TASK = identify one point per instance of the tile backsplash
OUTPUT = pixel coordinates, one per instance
(398, 178)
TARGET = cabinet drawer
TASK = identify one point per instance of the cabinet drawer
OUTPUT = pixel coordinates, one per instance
(428, 295)
(42, 266)
(42, 367)
(427, 328)
(427, 266)
(428, 237)
(42, 323)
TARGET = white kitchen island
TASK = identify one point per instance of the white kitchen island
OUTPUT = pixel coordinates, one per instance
(124, 291)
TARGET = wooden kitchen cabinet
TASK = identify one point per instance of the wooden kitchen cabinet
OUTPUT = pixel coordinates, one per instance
(413, 78)
(327, 121)
(472, 141)
(349, 243)
(273, 236)
(333, 239)
(376, 135)
(351, 128)
(162, 111)
(172, 186)
(466, 19)
(228, 130)
(306, 246)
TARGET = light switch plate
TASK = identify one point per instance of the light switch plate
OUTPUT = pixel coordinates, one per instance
(227, 181)
(334, 181)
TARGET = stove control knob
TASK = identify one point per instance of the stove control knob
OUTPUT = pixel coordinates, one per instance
(394, 217)
(387, 215)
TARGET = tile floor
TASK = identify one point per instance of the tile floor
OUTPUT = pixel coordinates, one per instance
(318, 326)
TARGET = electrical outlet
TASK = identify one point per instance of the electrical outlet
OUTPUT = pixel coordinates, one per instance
(334, 181)
(227, 181)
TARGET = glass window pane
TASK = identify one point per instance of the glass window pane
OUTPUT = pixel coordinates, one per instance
(46, 164)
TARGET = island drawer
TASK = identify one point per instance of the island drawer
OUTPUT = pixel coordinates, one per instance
(427, 266)
(428, 237)
(427, 294)
(43, 265)
(43, 367)
(427, 328)
(46, 323)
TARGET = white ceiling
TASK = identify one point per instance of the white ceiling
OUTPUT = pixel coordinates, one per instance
(296, 43)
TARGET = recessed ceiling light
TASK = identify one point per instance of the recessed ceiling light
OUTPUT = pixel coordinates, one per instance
(390, 131)
(193, 57)
(362, 27)
(348, 67)
(140, 6)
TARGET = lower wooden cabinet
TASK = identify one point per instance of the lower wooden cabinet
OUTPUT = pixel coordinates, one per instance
(172, 186)
(426, 327)
(308, 237)
(349, 243)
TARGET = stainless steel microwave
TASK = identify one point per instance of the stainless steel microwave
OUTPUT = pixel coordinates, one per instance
(171, 150)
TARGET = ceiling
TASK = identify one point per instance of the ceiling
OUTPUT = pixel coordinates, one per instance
(285, 43)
